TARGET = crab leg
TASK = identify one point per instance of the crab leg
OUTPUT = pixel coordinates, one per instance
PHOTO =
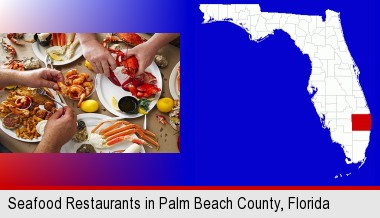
(123, 133)
(110, 133)
(146, 138)
(150, 133)
(110, 39)
(55, 40)
(100, 124)
(8, 48)
(58, 39)
(115, 125)
(70, 38)
(12, 37)
(63, 39)
(127, 137)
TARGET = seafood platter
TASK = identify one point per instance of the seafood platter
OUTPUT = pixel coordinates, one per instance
(24, 112)
(61, 47)
(97, 133)
(117, 92)
(125, 94)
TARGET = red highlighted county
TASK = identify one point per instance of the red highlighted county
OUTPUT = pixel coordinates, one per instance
(361, 122)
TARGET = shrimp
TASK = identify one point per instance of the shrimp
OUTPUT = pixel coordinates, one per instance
(71, 73)
(63, 88)
(70, 76)
(87, 87)
(76, 91)
(76, 86)
(80, 79)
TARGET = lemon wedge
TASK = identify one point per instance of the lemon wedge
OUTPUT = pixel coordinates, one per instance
(114, 103)
(55, 57)
(88, 65)
(11, 87)
(142, 111)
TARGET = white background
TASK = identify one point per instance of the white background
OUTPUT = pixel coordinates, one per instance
(342, 203)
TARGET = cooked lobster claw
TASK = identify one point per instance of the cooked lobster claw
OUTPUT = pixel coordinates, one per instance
(113, 78)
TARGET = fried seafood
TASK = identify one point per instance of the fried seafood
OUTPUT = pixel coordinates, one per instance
(25, 103)
(41, 114)
(28, 129)
(76, 86)
(49, 105)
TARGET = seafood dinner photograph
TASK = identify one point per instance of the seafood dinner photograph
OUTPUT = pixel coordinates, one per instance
(90, 92)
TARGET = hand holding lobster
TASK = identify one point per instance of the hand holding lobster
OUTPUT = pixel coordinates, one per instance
(99, 57)
(144, 54)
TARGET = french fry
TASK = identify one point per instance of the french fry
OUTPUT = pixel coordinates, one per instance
(36, 118)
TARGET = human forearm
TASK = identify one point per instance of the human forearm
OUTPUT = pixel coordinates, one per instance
(46, 147)
(159, 40)
(86, 37)
(10, 77)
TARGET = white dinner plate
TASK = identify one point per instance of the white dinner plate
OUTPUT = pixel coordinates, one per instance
(40, 52)
(12, 133)
(106, 90)
(91, 120)
(173, 86)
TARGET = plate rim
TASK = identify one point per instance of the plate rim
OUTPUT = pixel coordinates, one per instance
(91, 115)
(172, 78)
(56, 97)
(36, 47)
(107, 105)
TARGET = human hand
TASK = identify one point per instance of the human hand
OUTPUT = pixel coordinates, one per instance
(59, 129)
(144, 54)
(43, 77)
(99, 57)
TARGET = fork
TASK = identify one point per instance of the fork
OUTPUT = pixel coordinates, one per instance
(48, 62)
(42, 91)
(144, 121)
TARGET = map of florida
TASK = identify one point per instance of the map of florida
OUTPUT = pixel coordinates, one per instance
(334, 83)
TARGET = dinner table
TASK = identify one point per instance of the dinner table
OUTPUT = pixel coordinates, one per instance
(167, 136)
